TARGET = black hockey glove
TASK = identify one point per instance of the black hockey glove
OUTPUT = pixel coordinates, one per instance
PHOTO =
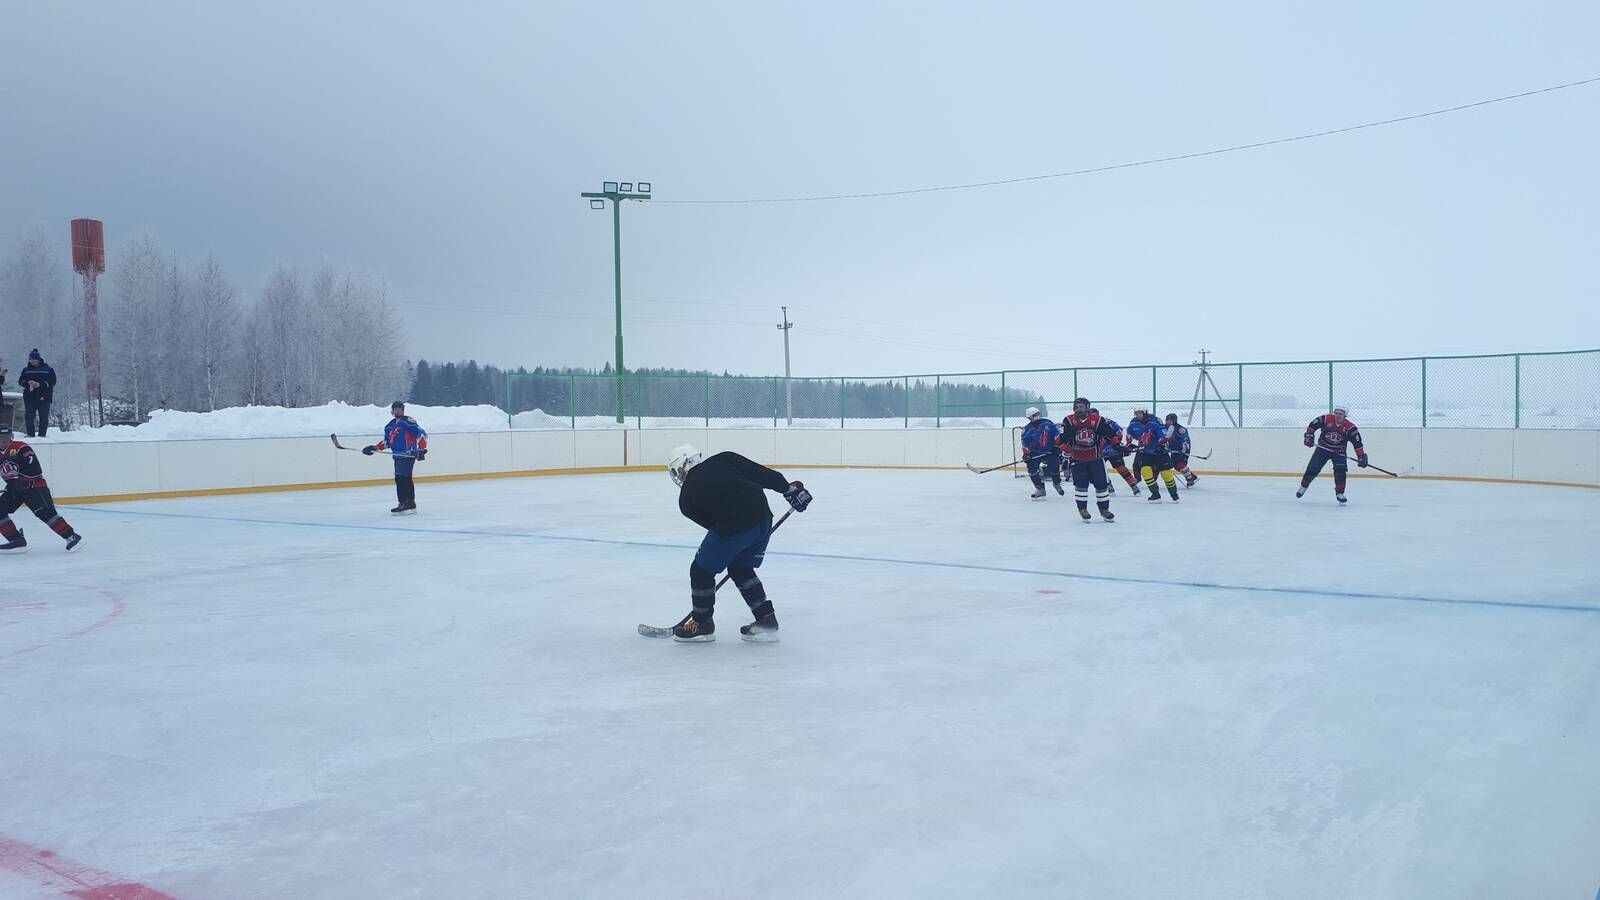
(1361, 460)
(799, 498)
(368, 451)
(422, 454)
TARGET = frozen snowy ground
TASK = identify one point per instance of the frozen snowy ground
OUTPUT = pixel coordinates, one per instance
(346, 420)
(1241, 696)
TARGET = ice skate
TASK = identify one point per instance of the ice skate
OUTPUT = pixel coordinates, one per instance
(764, 630)
(692, 630)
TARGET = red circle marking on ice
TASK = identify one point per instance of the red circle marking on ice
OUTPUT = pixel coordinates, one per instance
(117, 607)
(50, 870)
(1048, 591)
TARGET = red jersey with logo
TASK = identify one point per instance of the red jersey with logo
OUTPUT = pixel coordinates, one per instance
(20, 468)
(1082, 436)
(1334, 434)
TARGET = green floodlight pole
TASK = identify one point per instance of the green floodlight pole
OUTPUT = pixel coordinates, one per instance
(616, 193)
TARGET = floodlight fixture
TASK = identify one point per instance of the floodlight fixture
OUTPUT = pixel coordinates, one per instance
(616, 192)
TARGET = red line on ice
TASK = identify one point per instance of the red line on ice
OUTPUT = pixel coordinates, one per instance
(46, 869)
(116, 610)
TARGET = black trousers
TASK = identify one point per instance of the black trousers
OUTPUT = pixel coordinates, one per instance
(1050, 463)
(1341, 466)
(404, 488)
(37, 410)
(1091, 472)
(1157, 460)
(37, 499)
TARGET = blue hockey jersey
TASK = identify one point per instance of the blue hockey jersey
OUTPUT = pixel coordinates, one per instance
(1039, 437)
(1148, 435)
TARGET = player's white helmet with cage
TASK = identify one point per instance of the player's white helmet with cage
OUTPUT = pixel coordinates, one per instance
(1031, 413)
(684, 457)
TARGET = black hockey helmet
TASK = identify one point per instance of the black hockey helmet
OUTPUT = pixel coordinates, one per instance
(398, 404)
(1172, 418)
(1081, 406)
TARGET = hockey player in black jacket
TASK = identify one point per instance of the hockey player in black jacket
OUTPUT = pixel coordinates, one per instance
(724, 495)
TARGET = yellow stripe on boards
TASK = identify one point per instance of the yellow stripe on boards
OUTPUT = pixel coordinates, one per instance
(614, 470)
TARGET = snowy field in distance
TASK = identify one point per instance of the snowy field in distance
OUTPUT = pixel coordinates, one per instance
(342, 419)
(1238, 696)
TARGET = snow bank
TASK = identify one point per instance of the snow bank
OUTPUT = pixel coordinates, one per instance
(366, 422)
(360, 422)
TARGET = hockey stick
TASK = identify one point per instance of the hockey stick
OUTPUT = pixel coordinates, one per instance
(335, 439)
(1367, 466)
(657, 631)
(977, 471)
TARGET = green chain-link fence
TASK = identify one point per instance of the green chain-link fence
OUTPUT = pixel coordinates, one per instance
(1526, 390)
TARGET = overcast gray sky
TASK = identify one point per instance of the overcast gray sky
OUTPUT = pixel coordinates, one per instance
(444, 146)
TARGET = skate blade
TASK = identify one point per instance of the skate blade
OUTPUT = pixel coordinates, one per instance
(697, 639)
(404, 512)
(759, 637)
(15, 550)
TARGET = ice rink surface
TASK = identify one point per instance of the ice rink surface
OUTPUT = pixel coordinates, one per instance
(1238, 696)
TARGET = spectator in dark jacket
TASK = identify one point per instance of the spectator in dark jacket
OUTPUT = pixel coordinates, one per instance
(38, 383)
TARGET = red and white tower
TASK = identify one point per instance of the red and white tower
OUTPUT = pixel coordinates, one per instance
(89, 260)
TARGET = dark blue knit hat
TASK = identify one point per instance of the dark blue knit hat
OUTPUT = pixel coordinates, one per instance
(34, 354)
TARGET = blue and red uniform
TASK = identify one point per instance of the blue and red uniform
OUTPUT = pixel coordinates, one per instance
(1178, 447)
(409, 443)
(403, 436)
(1150, 437)
(1039, 439)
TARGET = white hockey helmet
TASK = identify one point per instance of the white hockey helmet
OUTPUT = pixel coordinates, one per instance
(683, 458)
(1340, 411)
(1031, 413)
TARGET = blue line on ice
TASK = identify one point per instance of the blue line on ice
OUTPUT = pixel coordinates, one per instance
(884, 560)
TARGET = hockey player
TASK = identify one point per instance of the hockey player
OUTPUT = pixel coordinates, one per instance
(1178, 449)
(406, 440)
(1337, 431)
(1112, 451)
(1039, 451)
(1083, 434)
(723, 495)
(25, 484)
(1148, 437)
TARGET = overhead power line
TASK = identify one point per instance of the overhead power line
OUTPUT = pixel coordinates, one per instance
(1178, 157)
